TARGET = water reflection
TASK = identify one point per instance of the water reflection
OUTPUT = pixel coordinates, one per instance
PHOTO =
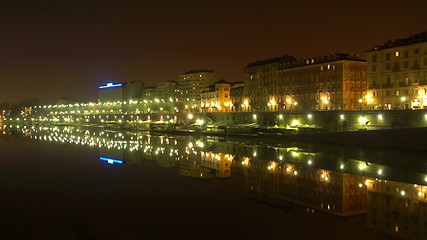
(386, 187)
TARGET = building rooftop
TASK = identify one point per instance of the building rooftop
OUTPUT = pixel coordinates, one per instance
(322, 59)
(222, 81)
(211, 88)
(198, 71)
(413, 39)
(285, 58)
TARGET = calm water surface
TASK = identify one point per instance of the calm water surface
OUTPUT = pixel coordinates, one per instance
(77, 183)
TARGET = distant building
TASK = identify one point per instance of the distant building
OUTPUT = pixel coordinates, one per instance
(148, 92)
(216, 98)
(133, 90)
(237, 93)
(331, 82)
(191, 84)
(167, 90)
(112, 92)
(397, 74)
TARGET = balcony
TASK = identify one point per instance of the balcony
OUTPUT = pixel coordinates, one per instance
(387, 85)
(374, 86)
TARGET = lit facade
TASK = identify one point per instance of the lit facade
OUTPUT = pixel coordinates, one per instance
(397, 74)
(216, 98)
(191, 84)
(261, 85)
(332, 82)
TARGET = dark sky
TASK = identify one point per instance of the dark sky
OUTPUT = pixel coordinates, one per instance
(68, 48)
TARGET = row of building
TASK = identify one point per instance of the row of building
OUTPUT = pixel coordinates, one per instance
(393, 76)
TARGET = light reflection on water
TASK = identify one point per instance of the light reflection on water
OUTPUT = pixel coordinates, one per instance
(342, 182)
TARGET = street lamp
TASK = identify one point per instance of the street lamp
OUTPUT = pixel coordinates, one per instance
(403, 100)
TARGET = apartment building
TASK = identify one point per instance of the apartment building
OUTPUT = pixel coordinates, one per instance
(397, 74)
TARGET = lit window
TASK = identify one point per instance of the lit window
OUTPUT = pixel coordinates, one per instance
(397, 54)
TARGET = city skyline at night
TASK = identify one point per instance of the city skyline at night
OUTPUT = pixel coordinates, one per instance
(69, 49)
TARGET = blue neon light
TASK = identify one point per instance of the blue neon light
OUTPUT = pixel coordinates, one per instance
(111, 85)
(110, 160)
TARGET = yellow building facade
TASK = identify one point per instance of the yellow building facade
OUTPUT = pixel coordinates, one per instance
(397, 74)
(217, 98)
(332, 82)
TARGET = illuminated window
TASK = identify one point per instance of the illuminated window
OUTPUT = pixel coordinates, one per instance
(397, 54)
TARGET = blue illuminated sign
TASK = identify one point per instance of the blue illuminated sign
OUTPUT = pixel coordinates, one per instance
(110, 160)
(111, 85)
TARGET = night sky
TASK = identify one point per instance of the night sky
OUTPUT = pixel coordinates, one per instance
(68, 48)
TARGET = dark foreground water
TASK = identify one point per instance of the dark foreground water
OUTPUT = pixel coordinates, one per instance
(69, 183)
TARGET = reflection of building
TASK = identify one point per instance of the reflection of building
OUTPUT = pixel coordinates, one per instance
(329, 82)
(397, 74)
(216, 98)
(219, 162)
(397, 208)
(191, 84)
(194, 169)
(333, 192)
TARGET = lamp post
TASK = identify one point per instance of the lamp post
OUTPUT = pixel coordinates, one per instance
(403, 100)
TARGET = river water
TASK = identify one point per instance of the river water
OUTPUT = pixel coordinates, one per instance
(82, 183)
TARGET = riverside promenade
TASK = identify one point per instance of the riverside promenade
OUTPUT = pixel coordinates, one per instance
(397, 129)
